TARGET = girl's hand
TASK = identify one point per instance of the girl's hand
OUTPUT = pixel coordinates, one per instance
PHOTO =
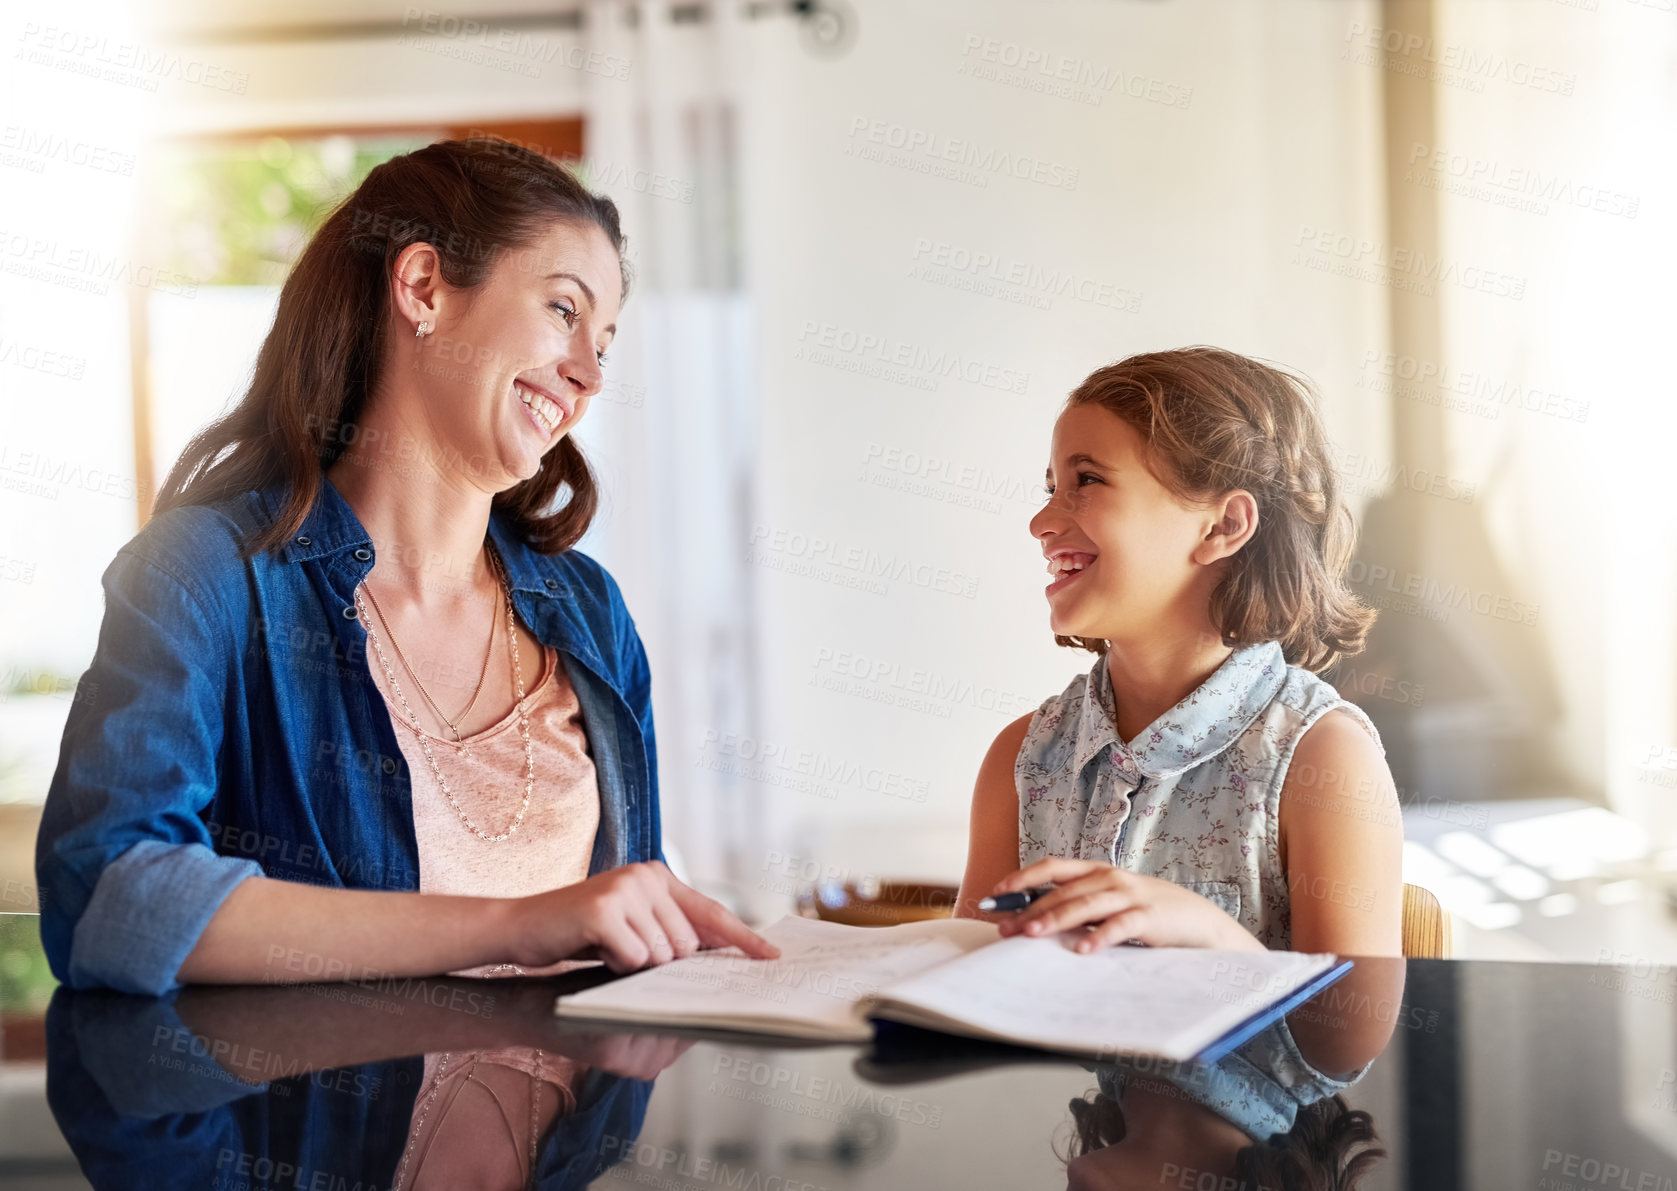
(629, 917)
(1119, 906)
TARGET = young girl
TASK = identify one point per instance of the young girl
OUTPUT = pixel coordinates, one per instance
(1200, 786)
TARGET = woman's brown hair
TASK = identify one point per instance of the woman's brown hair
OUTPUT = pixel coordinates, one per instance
(1214, 421)
(473, 201)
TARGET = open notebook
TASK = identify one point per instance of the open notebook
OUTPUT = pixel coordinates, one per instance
(961, 977)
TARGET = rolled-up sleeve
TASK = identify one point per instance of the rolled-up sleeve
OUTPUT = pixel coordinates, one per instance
(127, 873)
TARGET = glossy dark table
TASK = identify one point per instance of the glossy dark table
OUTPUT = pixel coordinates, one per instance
(1480, 1075)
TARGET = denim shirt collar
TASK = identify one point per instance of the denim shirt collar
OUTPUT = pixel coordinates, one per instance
(1202, 725)
(332, 528)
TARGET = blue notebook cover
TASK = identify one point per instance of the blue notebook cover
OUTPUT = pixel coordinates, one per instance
(1264, 1017)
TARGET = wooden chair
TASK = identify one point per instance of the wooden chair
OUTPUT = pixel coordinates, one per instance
(882, 903)
(1426, 927)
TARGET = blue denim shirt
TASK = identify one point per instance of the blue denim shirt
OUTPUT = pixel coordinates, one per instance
(229, 726)
(140, 1116)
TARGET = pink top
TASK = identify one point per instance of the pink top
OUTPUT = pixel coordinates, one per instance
(552, 848)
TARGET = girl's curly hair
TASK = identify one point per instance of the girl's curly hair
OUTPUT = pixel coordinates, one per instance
(1331, 1146)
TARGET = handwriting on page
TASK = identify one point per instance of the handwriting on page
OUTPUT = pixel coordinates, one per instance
(823, 969)
(1119, 1000)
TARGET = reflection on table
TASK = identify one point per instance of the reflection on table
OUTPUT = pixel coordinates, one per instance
(449, 1083)
(1466, 1074)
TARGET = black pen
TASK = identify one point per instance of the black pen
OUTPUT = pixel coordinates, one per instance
(1009, 903)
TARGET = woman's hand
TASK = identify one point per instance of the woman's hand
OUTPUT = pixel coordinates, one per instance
(633, 1056)
(1119, 906)
(630, 917)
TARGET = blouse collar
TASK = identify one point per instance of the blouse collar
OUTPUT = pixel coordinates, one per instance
(1202, 725)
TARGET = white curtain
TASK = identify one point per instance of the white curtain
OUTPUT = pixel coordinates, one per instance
(671, 437)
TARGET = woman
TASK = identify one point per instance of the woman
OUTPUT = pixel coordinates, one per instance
(268, 774)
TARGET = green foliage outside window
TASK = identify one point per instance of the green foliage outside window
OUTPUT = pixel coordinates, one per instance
(26, 982)
(238, 214)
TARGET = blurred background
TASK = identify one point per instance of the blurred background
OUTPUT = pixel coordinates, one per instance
(877, 241)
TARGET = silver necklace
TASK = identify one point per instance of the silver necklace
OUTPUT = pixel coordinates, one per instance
(483, 672)
(425, 740)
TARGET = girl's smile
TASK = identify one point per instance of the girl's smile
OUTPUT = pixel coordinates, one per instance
(1067, 566)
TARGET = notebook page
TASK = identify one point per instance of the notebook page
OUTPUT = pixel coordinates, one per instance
(1166, 1001)
(811, 991)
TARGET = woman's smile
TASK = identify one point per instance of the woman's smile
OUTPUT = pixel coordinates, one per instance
(546, 412)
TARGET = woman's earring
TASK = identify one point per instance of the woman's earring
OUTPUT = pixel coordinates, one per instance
(422, 330)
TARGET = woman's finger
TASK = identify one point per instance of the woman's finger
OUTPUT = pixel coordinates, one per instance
(621, 946)
(645, 1055)
(659, 949)
(716, 927)
(1052, 871)
(684, 940)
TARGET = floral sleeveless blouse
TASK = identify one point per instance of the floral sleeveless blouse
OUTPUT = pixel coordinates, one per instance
(1193, 799)
(1258, 1088)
